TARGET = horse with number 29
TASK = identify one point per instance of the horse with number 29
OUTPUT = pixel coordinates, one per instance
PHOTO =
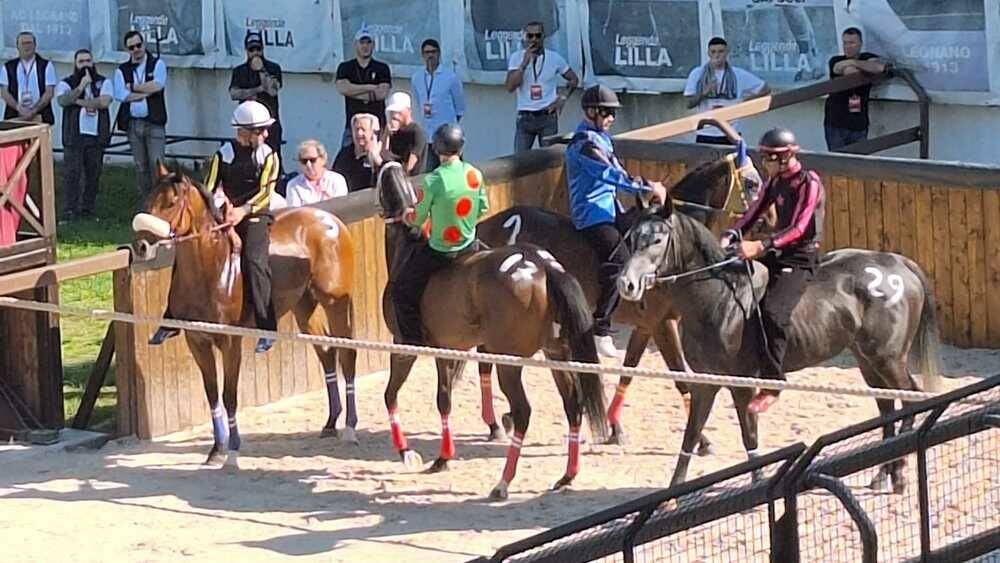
(312, 260)
(878, 305)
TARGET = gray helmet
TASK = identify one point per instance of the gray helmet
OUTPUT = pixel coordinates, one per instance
(599, 96)
(779, 140)
(449, 139)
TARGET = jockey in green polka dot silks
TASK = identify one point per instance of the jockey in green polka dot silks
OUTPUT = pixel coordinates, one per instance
(452, 199)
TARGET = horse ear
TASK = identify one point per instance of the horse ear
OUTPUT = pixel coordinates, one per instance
(161, 170)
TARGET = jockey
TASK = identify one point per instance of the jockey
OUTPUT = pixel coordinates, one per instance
(790, 253)
(453, 197)
(595, 175)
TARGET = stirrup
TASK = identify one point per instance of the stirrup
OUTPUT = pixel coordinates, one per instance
(163, 334)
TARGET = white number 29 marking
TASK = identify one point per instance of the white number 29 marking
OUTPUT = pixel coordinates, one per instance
(514, 224)
(895, 283)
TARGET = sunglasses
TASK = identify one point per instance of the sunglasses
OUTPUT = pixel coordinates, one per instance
(533, 35)
(134, 47)
(431, 52)
(778, 157)
(309, 160)
(606, 112)
(257, 50)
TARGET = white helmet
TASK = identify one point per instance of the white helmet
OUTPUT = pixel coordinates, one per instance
(251, 114)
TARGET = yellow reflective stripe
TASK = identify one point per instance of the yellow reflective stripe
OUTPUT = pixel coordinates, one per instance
(212, 180)
(261, 201)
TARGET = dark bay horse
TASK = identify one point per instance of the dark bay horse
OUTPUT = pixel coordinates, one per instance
(515, 300)
(878, 305)
(312, 260)
(715, 192)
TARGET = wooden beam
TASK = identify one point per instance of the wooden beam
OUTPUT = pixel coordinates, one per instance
(22, 166)
(96, 380)
(883, 142)
(55, 273)
(19, 131)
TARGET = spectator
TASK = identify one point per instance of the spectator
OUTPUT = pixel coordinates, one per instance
(538, 101)
(315, 183)
(27, 83)
(845, 118)
(259, 79)
(437, 95)
(407, 141)
(718, 84)
(364, 83)
(85, 97)
(360, 160)
(139, 84)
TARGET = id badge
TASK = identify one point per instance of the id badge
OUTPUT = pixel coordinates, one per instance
(536, 92)
(428, 111)
(854, 104)
(26, 99)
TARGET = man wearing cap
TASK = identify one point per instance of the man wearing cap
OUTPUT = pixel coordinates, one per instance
(407, 142)
(595, 175)
(437, 95)
(259, 79)
(364, 82)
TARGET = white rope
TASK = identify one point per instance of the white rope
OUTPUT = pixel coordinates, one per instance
(696, 378)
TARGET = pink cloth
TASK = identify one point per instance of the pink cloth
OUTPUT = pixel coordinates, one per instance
(10, 219)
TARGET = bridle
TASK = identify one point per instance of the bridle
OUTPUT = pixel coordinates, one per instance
(736, 197)
(651, 279)
(178, 216)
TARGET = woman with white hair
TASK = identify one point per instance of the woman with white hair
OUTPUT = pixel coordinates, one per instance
(315, 183)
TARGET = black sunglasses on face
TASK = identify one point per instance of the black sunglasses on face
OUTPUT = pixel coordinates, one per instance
(533, 35)
(431, 52)
(605, 112)
(775, 157)
(134, 47)
(309, 160)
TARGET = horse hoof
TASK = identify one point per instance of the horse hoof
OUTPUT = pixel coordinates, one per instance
(705, 450)
(349, 436)
(562, 483)
(411, 459)
(497, 434)
(232, 460)
(499, 492)
(439, 465)
(328, 432)
(216, 458)
(508, 423)
(617, 439)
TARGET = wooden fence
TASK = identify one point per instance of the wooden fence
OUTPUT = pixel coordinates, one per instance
(945, 216)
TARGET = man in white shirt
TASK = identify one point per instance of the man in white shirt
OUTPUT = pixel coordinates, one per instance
(27, 83)
(139, 84)
(534, 72)
(85, 97)
(718, 84)
(437, 93)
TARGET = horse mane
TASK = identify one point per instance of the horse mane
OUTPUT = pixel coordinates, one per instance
(696, 186)
(707, 248)
(178, 175)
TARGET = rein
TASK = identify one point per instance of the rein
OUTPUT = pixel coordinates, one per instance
(734, 196)
(174, 222)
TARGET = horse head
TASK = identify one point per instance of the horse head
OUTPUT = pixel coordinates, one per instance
(652, 247)
(176, 208)
(395, 192)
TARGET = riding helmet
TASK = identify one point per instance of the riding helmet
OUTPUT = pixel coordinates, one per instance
(599, 96)
(779, 140)
(449, 139)
(251, 115)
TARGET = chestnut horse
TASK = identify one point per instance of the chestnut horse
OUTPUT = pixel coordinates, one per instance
(714, 193)
(312, 260)
(515, 300)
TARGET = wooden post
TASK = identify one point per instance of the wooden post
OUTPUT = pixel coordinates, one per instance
(96, 380)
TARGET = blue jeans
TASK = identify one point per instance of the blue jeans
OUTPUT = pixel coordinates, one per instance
(837, 138)
(532, 125)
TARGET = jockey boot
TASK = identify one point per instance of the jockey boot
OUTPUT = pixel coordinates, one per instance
(163, 334)
(605, 346)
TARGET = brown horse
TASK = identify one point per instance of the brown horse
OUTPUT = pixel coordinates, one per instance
(715, 193)
(312, 259)
(515, 301)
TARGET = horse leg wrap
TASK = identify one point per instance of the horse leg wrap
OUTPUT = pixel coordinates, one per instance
(486, 387)
(220, 430)
(333, 395)
(234, 434)
(513, 454)
(573, 461)
(352, 408)
(447, 444)
(615, 410)
(398, 439)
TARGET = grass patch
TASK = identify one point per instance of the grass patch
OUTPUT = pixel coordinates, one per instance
(82, 337)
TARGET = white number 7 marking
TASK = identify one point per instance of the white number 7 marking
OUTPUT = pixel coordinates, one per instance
(895, 283)
(513, 223)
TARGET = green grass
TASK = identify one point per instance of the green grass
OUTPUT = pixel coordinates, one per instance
(81, 337)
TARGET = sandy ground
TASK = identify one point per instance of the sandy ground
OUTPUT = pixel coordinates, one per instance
(299, 495)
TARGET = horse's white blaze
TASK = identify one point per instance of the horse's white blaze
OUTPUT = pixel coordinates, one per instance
(514, 224)
(894, 281)
(509, 262)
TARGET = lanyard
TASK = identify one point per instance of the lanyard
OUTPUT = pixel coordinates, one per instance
(430, 86)
(28, 71)
(534, 66)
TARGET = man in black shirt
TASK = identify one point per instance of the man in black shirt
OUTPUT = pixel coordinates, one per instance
(364, 82)
(407, 139)
(259, 79)
(846, 119)
(359, 161)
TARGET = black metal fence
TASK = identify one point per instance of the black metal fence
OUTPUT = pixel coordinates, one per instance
(818, 503)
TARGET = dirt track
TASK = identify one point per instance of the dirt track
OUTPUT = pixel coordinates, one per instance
(297, 495)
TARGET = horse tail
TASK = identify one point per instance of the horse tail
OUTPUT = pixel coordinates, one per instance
(573, 313)
(928, 336)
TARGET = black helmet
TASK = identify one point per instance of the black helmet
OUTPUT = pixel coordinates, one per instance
(448, 139)
(779, 140)
(599, 96)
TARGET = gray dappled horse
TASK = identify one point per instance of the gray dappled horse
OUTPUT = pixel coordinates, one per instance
(878, 305)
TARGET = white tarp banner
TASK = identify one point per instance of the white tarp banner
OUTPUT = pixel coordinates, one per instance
(399, 29)
(299, 35)
(61, 26)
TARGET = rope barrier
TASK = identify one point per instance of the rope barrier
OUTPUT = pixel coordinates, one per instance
(465, 355)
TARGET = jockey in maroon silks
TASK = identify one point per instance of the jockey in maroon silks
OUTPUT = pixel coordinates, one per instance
(790, 253)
